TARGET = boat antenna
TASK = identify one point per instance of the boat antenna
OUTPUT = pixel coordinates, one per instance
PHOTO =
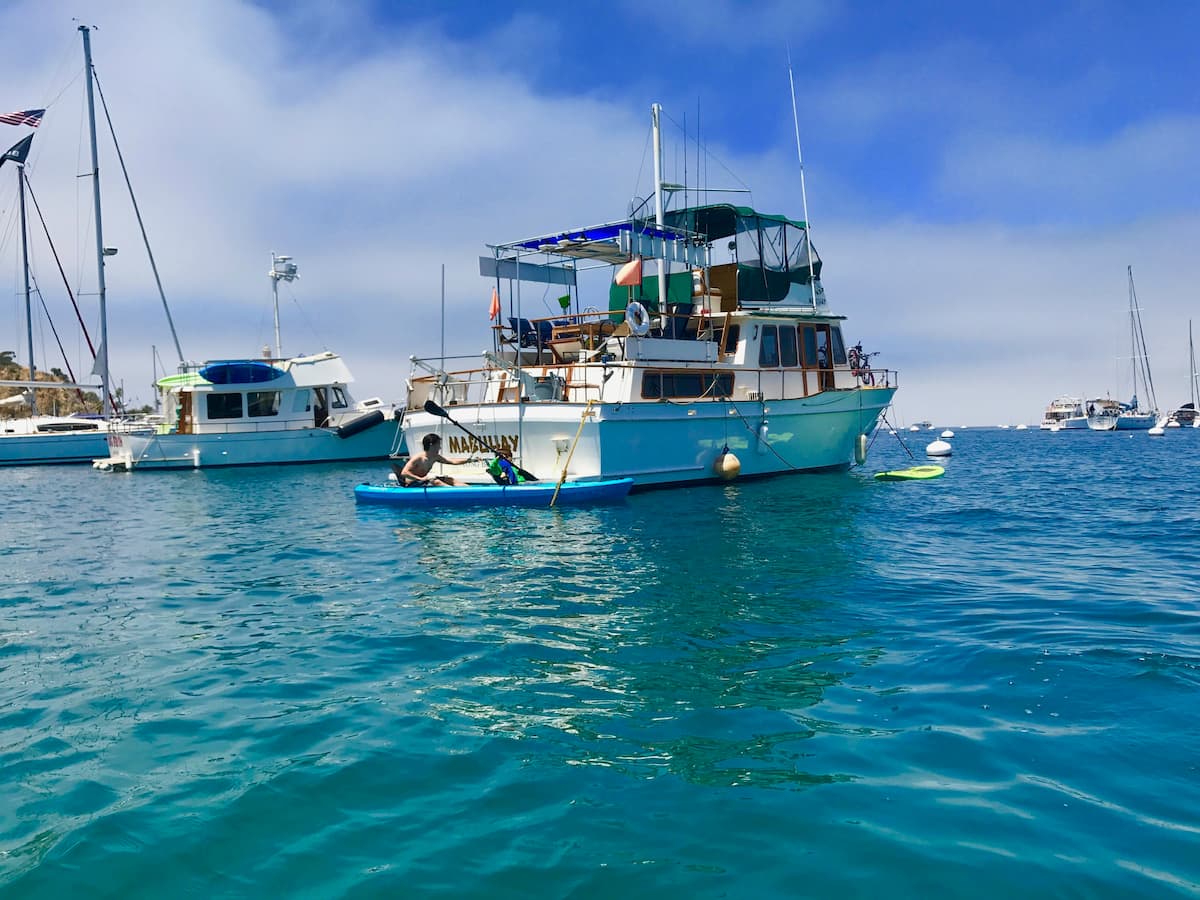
(443, 317)
(812, 277)
(101, 252)
(282, 268)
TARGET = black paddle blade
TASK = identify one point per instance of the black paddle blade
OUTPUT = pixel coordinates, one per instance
(434, 410)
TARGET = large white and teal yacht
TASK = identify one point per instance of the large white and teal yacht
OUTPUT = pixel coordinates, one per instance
(707, 350)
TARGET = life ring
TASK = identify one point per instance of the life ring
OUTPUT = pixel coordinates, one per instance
(637, 319)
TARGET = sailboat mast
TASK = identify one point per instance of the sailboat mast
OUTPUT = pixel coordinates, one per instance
(102, 355)
(28, 305)
(1192, 363)
(655, 113)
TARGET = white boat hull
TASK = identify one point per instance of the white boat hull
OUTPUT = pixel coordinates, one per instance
(247, 448)
(659, 444)
(44, 449)
(1136, 421)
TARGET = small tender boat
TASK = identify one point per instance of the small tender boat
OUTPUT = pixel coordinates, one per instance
(529, 493)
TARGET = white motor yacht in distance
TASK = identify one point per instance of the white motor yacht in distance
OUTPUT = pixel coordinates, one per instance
(715, 354)
(1065, 414)
(254, 412)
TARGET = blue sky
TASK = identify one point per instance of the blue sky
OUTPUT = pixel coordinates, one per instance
(979, 175)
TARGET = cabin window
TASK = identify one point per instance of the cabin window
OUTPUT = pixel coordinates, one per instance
(839, 348)
(686, 385)
(787, 346)
(339, 399)
(300, 403)
(808, 346)
(729, 341)
(768, 347)
(262, 403)
(224, 406)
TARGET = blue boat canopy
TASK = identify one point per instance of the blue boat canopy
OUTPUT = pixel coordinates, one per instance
(240, 371)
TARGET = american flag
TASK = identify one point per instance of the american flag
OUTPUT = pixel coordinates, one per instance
(30, 117)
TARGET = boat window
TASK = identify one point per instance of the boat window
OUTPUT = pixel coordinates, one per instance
(262, 403)
(730, 339)
(339, 399)
(224, 406)
(839, 348)
(686, 385)
(768, 347)
(808, 346)
(300, 403)
(787, 346)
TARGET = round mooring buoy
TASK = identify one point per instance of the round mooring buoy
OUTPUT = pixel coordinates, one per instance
(939, 448)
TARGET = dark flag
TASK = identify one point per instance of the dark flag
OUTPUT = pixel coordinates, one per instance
(30, 117)
(17, 152)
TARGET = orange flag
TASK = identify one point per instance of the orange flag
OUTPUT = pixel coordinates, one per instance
(494, 311)
(630, 274)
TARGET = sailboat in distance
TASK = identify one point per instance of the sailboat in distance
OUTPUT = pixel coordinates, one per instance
(1136, 415)
(39, 438)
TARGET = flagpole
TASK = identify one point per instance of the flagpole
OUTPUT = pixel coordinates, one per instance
(28, 305)
(102, 357)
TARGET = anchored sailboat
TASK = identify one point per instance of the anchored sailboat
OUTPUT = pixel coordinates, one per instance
(41, 438)
(1136, 415)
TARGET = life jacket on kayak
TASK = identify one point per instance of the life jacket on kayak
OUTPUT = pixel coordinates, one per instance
(502, 470)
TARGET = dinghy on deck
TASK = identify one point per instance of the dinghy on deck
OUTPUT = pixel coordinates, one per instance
(539, 493)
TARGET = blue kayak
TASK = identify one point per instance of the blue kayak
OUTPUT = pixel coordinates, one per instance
(529, 493)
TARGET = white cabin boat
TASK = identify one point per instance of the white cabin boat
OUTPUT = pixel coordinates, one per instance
(715, 355)
(254, 412)
(1065, 414)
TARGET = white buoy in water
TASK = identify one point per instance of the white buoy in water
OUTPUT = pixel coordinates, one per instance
(727, 466)
(947, 433)
(939, 448)
(1156, 431)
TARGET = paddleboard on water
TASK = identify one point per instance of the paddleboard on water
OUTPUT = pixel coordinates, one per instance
(916, 473)
(527, 494)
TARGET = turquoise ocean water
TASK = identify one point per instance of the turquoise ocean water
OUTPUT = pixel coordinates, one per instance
(238, 684)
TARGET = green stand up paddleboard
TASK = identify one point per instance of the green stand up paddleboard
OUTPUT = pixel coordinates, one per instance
(916, 473)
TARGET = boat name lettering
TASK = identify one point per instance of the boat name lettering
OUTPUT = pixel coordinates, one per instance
(459, 444)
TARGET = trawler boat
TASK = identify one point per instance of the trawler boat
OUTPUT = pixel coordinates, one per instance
(1065, 414)
(715, 354)
(249, 412)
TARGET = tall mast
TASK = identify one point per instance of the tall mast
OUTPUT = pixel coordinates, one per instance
(28, 305)
(102, 355)
(655, 111)
(812, 276)
(1192, 363)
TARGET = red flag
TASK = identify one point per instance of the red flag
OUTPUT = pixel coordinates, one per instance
(494, 310)
(630, 274)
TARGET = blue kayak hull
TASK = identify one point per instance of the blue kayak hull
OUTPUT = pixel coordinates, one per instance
(527, 494)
